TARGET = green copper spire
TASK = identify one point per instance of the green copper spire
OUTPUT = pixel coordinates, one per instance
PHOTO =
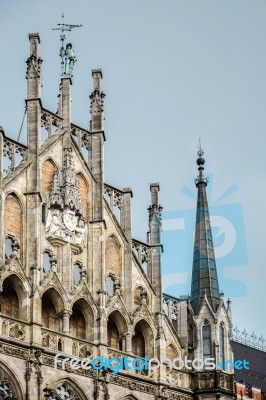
(67, 54)
(204, 273)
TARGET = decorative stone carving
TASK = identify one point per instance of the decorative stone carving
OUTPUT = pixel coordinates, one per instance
(143, 296)
(17, 331)
(50, 121)
(10, 151)
(97, 101)
(206, 380)
(62, 391)
(65, 222)
(6, 388)
(33, 67)
(85, 351)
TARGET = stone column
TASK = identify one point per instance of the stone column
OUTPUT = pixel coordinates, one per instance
(154, 262)
(65, 100)
(127, 286)
(32, 232)
(66, 316)
(128, 336)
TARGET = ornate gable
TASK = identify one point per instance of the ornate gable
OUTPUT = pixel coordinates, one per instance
(14, 267)
(117, 303)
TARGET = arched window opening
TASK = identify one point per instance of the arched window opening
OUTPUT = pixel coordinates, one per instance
(46, 262)
(174, 319)
(113, 335)
(60, 345)
(143, 340)
(9, 300)
(49, 262)
(8, 247)
(43, 213)
(110, 285)
(11, 247)
(221, 344)
(206, 336)
(50, 318)
(138, 343)
(77, 323)
(76, 273)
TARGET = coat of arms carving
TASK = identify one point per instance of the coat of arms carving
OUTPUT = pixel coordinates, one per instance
(66, 222)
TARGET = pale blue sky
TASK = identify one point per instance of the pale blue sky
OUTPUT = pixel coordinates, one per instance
(173, 70)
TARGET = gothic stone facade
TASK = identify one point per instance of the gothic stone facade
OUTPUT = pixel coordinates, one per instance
(73, 280)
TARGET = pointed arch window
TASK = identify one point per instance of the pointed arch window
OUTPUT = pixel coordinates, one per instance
(206, 339)
(221, 343)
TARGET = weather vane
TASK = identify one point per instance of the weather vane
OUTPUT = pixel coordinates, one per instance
(67, 54)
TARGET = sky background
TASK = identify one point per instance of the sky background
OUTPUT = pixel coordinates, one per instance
(173, 71)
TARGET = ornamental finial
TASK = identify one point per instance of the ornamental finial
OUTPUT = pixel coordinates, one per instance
(67, 54)
(200, 161)
(200, 151)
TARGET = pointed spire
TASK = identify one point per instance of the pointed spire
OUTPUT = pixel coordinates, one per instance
(67, 192)
(55, 196)
(204, 274)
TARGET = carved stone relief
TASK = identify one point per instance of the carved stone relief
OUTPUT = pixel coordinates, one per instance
(66, 222)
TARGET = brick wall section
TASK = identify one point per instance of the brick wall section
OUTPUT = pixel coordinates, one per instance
(113, 257)
(48, 170)
(84, 194)
(241, 392)
(13, 216)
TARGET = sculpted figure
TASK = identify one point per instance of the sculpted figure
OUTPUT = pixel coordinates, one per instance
(80, 232)
(54, 225)
(70, 58)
